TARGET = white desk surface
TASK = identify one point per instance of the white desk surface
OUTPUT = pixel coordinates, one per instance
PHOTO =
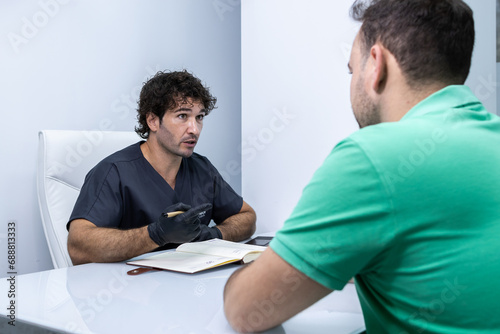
(102, 298)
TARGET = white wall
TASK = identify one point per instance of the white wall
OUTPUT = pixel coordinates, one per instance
(80, 65)
(498, 88)
(294, 62)
(498, 50)
(482, 77)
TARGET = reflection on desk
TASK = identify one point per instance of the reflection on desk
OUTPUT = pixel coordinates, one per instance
(102, 298)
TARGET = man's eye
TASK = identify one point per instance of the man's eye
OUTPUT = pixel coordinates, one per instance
(200, 117)
(182, 116)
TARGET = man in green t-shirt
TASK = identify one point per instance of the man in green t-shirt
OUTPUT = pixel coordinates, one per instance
(409, 205)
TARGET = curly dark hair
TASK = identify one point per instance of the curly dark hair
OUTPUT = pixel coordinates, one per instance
(164, 91)
(432, 40)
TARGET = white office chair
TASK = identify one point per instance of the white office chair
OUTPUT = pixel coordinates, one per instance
(64, 158)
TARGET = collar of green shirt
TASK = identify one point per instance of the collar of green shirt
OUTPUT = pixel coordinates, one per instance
(454, 96)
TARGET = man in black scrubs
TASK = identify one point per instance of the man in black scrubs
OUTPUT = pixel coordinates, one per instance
(122, 208)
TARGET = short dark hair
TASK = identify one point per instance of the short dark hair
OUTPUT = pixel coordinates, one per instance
(432, 40)
(164, 91)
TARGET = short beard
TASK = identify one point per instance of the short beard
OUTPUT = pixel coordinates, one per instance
(365, 111)
(368, 117)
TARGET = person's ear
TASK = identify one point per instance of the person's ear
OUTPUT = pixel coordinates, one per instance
(378, 75)
(153, 122)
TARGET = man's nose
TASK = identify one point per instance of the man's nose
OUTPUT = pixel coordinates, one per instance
(193, 126)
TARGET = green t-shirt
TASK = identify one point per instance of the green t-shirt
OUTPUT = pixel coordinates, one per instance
(411, 209)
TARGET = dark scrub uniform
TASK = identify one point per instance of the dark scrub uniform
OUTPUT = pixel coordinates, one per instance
(124, 191)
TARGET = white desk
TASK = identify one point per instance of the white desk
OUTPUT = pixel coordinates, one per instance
(102, 298)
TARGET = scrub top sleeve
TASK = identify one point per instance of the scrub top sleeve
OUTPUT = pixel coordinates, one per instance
(226, 201)
(100, 199)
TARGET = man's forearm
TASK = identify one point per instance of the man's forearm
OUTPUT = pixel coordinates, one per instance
(240, 226)
(89, 243)
(271, 289)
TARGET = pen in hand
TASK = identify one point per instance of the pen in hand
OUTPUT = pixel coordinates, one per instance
(172, 214)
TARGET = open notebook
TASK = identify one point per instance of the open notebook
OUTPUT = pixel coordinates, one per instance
(193, 257)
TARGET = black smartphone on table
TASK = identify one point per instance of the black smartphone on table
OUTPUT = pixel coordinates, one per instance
(259, 241)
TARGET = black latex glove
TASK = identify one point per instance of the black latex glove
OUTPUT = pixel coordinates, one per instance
(178, 229)
(208, 233)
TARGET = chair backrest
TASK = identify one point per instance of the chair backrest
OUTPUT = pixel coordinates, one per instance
(64, 158)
